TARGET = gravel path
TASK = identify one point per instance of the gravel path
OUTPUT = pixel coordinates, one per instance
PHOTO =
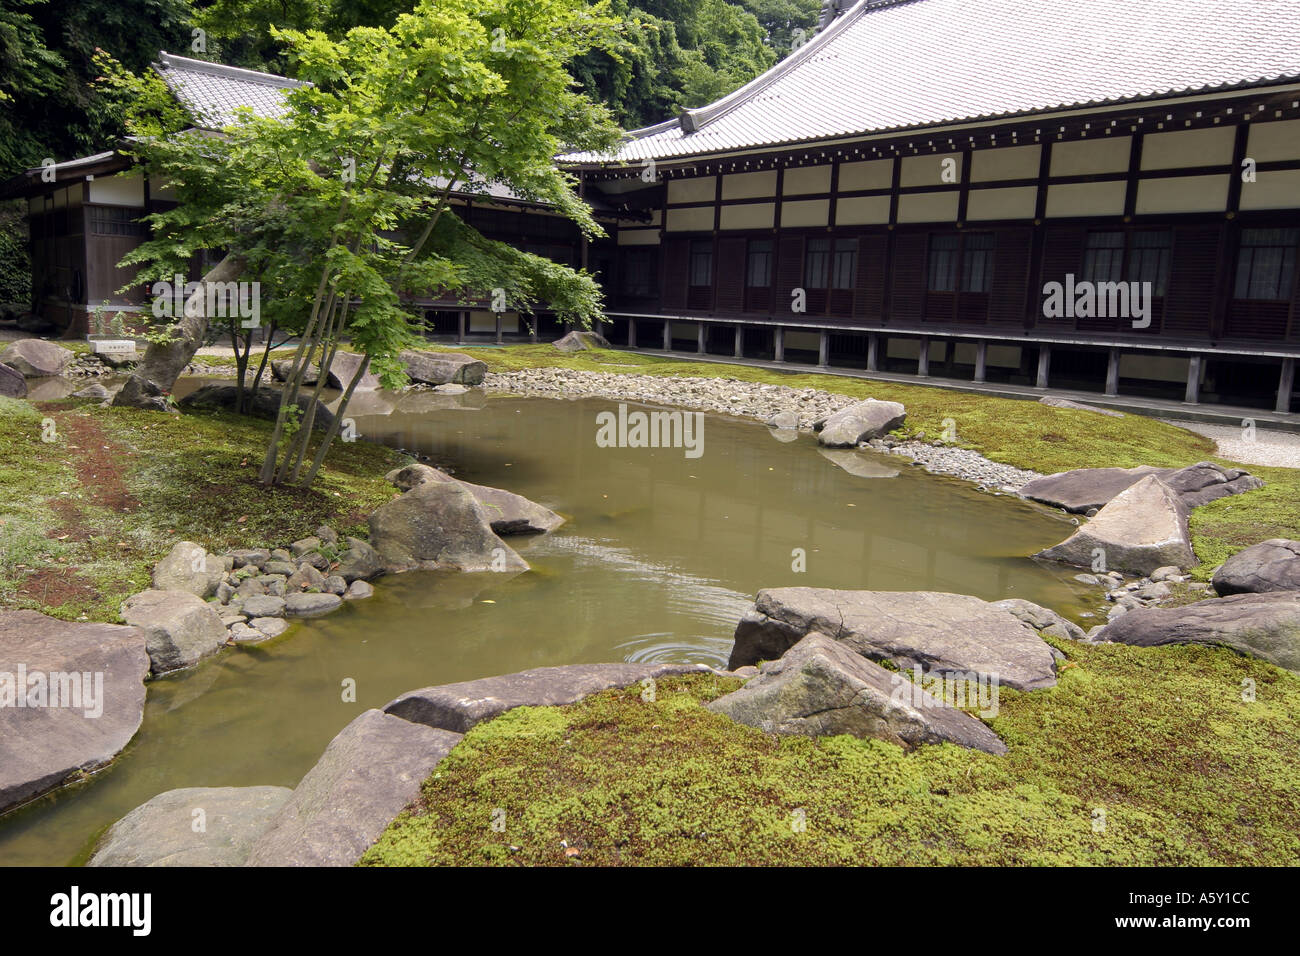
(749, 400)
(1267, 447)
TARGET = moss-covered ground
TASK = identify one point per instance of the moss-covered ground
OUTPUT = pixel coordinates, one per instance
(91, 498)
(1137, 756)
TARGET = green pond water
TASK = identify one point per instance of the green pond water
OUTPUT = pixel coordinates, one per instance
(660, 557)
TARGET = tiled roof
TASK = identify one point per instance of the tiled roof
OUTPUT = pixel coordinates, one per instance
(212, 91)
(896, 64)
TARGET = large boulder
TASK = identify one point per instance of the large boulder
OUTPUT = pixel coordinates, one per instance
(263, 403)
(1266, 626)
(1205, 482)
(189, 567)
(36, 358)
(365, 778)
(858, 423)
(439, 525)
(1083, 489)
(1143, 528)
(180, 628)
(581, 341)
(507, 512)
(97, 671)
(165, 831)
(821, 688)
(12, 383)
(281, 369)
(344, 367)
(1272, 565)
(442, 368)
(945, 634)
(458, 707)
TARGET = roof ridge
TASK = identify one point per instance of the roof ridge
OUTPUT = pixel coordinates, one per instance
(693, 120)
(170, 61)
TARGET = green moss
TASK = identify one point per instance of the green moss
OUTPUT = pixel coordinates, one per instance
(191, 476)
(1160, 740)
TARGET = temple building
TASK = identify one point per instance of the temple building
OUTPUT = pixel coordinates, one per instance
(1101, 196)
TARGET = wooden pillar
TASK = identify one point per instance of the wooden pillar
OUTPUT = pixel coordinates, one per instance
(460, 328)
(740, 342)
(668, 336)
(532, 330)
(981, 362)
(923, 359)
(701, 338)
(1285, 385)
(498, 317)
(1112, 373)
(1193, 394)
(873, 352)
(824, 350)
(779, 348)
(1044, 365)
(631, 333)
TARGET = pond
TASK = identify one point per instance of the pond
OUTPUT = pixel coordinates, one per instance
(661, 555)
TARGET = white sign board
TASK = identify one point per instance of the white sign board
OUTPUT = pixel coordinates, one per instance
(114, 346)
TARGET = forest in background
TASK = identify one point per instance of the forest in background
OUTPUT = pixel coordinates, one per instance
(678, 54)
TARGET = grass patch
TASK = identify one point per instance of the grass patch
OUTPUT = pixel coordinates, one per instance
(87, 514)
(1186, 772)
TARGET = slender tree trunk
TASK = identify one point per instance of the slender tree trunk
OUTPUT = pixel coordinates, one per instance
(154, 378)
(333, 430)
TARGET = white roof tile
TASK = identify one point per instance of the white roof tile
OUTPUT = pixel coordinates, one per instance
(212, 92)
(896, 64)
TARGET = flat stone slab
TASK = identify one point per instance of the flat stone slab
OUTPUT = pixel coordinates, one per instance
(1266, 626)
(180, 628)
(1143, 528)
(857, 423)
(162, 832)
(945, 634)
(366, 777)
(1083, 489)
(1272, 565)
(1078, 406)
(821, 687)
(458, 707)
(41, 746)
(507, 512)
(443, 368)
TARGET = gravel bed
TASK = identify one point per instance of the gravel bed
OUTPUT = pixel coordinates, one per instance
(1268, 447)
